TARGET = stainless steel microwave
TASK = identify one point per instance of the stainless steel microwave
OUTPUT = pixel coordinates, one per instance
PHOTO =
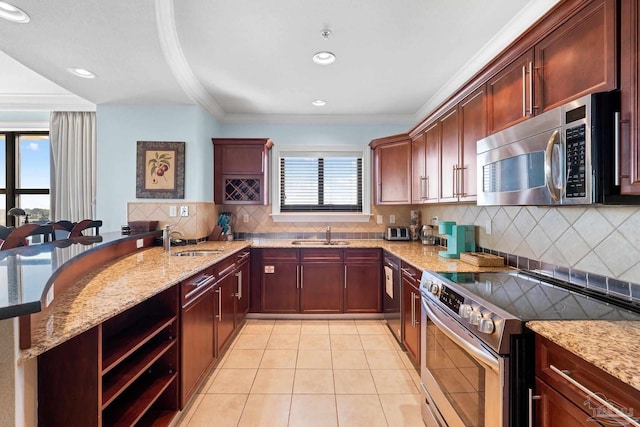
(566, 156)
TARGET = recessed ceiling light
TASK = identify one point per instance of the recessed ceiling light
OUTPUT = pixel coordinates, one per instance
(319, 103)
(13, 14)
(81, 72)
(324, 58)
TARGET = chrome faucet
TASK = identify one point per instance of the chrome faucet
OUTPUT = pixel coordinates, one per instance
(166, 242)
(329, 234)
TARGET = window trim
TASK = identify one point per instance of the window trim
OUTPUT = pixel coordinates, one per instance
(282, 151)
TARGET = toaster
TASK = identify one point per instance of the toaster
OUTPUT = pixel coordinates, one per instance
(397, 233)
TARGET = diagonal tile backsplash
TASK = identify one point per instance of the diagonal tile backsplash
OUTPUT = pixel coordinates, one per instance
(600, 240)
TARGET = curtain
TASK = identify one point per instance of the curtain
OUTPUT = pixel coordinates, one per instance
(73, 150)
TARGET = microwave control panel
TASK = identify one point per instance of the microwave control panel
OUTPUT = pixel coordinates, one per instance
(576, 161)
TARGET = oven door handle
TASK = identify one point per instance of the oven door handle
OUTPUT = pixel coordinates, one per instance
(472, 348)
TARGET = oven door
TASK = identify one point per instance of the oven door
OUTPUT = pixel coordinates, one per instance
(462, 380)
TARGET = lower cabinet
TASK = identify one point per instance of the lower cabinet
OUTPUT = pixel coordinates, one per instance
(243, 275)
(224, 303)
(411, 311)
(321, 280)
(363, 281)
(121, 372)
(559, 400)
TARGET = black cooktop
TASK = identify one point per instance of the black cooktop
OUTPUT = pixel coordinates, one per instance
(528, 296)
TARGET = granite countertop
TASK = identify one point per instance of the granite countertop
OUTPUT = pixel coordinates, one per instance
(415, 253)
(117, 286)
(611, 346)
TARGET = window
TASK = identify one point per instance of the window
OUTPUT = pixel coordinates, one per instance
(25, 181)
(329, 184)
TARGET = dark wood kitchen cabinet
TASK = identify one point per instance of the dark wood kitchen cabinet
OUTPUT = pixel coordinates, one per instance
(363, 280)
(197, 351)
(559, 402)
(127, 372)
(243, 276)
(392, 170)
(321, 280)
(576, 58)
(280, 281)
(411, 309)
(473, 126)
(425, 169)
(241, 170)
(224, 306)
(449, 137)
(630, 97)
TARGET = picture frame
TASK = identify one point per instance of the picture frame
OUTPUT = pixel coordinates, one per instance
(160, 170)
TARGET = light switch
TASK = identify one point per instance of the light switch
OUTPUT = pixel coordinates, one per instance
(245, 218)
(173, 210)
(379, 219)
(392, 219)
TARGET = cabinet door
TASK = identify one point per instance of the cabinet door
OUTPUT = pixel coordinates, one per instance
(363, 288)
(321, 287)
(432, 162)
(418, 169)
(630, 97)
(242, 159)
(473, 126)
(279, 287)
(224, 315)
(242, 291)
(411, 320)
(553, 409)
(577, 58)
(449, 137)
(197, 351)
(509, 94)
(393, 173)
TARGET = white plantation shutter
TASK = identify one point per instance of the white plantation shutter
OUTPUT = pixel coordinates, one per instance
(321, 182)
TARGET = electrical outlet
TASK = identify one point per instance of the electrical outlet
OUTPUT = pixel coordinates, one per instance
(392, 219)
(184, 210)
(173, 210)
(245, 218)
(487, 227)
(379, 219)
(434, 221)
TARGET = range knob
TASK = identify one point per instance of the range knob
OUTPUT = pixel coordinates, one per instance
(475, 317)
(486, 326)
(434, 288)
(464, 311)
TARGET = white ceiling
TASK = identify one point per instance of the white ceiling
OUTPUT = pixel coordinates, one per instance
(248, 60)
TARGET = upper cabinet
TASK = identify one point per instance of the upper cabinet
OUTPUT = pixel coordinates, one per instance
(241, 170)
(630, 96)
(576, 58)
(425, 165)
(392, 170)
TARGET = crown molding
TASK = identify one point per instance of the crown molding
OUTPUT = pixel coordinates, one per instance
(10, 126)
(407, 119)
(44, 102)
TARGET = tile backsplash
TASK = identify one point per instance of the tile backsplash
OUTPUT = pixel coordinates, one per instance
(198, 225)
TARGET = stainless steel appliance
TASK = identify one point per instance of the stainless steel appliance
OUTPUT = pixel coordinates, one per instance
(397, 233)
(566, 156)
(477, 362)
(392, 297)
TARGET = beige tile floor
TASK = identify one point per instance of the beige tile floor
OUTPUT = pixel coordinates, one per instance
(310, 373)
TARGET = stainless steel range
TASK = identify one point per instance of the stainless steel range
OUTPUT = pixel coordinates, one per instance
(477, 356)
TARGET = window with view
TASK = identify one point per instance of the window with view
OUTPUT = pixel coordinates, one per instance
(325, 182)
(25, 181)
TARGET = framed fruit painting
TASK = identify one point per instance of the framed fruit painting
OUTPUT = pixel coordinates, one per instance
(160, 170)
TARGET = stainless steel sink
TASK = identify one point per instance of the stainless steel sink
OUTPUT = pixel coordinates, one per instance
(311, 242)
(198, 252)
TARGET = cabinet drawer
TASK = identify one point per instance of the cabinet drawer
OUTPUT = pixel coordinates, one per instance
(411, 273)
(226, 266)
(279, 255)
(321, 255)
(243, 256)
(363, 255)
(196, 285)
(611, 389)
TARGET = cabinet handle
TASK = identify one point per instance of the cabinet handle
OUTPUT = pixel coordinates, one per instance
(594, 396)
(524, 91)
(455, 181)
(531, 399)
(239, 276)
(413, 311)
(416, 297)
(616, 148)
(423, 185)
(297, 277)
(426, 196)
(530, 87)
(407, 272)
(345, 277)
(461, 191)
(219, 316)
